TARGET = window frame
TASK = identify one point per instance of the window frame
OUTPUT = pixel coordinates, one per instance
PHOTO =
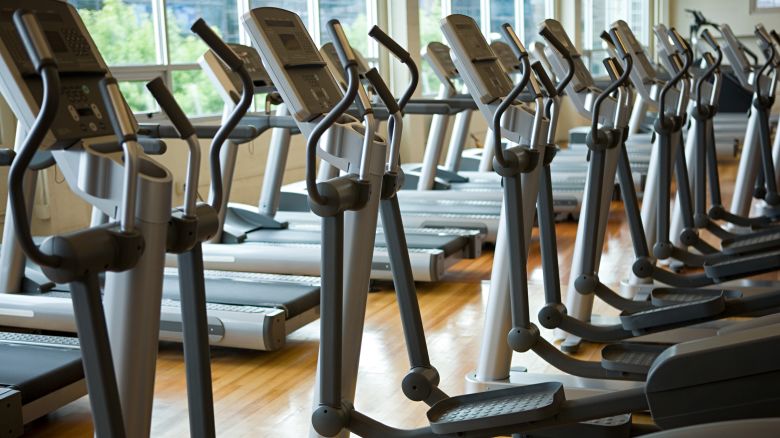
(165, 68)
(754, 9)
(585, 46)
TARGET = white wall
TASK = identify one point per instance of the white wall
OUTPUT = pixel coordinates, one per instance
(735, 13)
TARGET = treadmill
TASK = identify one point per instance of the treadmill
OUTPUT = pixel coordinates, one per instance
(252, 239)
(245, 310)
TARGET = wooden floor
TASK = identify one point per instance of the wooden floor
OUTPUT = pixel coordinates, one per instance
(269, 394)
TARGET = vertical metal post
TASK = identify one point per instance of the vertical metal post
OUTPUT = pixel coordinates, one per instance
(192, 291)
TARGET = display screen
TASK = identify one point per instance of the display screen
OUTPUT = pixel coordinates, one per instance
(84, 111)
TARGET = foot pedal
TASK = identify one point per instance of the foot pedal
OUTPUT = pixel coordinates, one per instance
(626, 357)
(496, 409)
(753, 242)
(740, 267)
(665, 296)
(673, 315)
(618, 426)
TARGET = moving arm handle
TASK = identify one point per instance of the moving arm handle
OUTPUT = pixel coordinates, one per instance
(707, 36)
(171, 108)
(548, 35)
(124, 128)
(394, 109)
(381, 37)
(215, 43)
(510, 98)
(186, 132)
(341, 43)
(333, 115)
(686, 49)
(229, 57)
(629, 62)
(38, 49)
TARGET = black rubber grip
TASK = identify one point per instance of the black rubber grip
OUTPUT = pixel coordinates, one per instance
(775, 36)
(707, 36)
(215, 43)
(679, 41)
(513, 41)
(618, 42)
(6, 156)
(384, 39)
(381, 89)
(341, 43)
(555, 42)
(541, 74)
(606, 38)
(709, 58)
(35, 43)
(171, 108)
(610, 64)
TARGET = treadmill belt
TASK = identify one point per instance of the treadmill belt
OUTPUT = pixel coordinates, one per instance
(36, 371)
(448, 244)
(224, 288)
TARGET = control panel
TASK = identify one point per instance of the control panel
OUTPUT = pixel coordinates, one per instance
(490, 81)
(507, 58)
(293, 61)
(81, 113)
(582, 79)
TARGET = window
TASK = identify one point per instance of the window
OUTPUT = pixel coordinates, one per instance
(501, 11)
(354, 18)
(186, 47)
(523, 15)
(109, 21)
(430, 16)
(139, 42)
(300, 7)
(764, 6)
(598, 16)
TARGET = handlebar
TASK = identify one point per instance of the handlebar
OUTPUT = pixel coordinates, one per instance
(37, 47)
(330, 118)
(404, 56)
(229, 57)
(340, 42)
(508, 100)
(549, 36)
(186, 132)
(629, 61)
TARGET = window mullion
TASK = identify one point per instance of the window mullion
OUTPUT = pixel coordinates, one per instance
(314, 20)
(242, 7)
(519, 22)
(160, 32)
(484, 17)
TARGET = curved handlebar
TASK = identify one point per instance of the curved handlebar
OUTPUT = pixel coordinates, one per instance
(28, 25)
(215, 43)
(186, 132)
(707, 36)
(311, 144)
(404, 56)
(504, 105)
(34, 41)
(514, 42)
(629, 61)
(171, 108)
(229, 57)
(557, 45)
(686, 49)
(620, 47)
(340, 42)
